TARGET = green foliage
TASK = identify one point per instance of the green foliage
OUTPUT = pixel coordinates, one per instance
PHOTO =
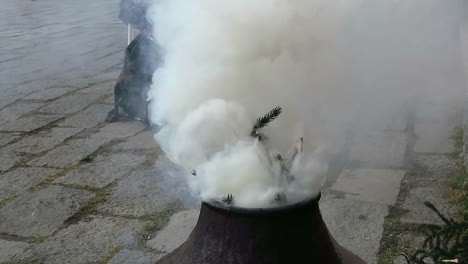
(265, 120)
(229, 199)
(448, 241)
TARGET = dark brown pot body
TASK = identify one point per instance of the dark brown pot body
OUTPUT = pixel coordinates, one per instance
(293, 234)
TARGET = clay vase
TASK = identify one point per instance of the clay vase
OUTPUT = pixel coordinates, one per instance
(292, 234)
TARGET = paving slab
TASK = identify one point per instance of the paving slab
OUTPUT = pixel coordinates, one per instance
(109, 100)
(37, 85)
(17, 109)
(60, 132)
(176, 232)
(108, 76)
(138, 194)
(40, 213)
(69, 104)
(100, 89)
(418, 213)
(69, 154)
(89, 117)
(385, 149)
(104, 170)
(42, 141)
(434, 137)
(49, 94)
(438, 167)
(144, 140)
(370, 185)
(78, 83)
(6, 138)
(87, 242)
(29, 123)
(358, 226)
(119, 130)
(9, 249)
(135, 256)
(19, 180)
(8, 160)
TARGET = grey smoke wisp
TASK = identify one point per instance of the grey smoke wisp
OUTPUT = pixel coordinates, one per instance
(333, 66)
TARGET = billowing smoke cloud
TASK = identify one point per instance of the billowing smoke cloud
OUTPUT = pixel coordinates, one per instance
(326, 63)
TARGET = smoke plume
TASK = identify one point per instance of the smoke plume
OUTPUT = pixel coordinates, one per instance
(330, 65)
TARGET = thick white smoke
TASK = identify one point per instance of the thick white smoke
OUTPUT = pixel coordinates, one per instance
(324, 62)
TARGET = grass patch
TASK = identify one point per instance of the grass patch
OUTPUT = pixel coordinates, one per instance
(90, 207)
(110, 256)
(459, 192)
(457, 137)
(157, 221)
(7, 200)
(22, 262)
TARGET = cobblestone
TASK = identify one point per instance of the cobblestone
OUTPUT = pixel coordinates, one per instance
(87, 242)
(17, 181)
(139, 194)
(9, 249)
(29, 123)
(16, 110)
(48, 94)
(88, 118)
(103, 170)
(69, 104)
(119, 130)
(40, 213)
(69, 154)
(176, 232)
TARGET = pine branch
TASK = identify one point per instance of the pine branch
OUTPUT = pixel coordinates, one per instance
(265, 120)
(229, 199)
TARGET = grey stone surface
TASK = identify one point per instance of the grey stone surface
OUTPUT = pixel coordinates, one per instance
(87, 242)
(420, 214)
(37, 85)
(59, 132)
(9, 249)
(49, 94)
(16, 110)
(438, 167)
(138, 194)
(100, 89)
(6, 138)
(19, 180)
(42, 141)
(370, 185)
(176, 232)
(119, 130)
(108, 76)
(69, 154)
(109, 100)
(385, 149)
(42, 212)
(8, 160)
(144, 140)
(29, 123)
(133, 256)
(103, 170)
(358, 226)
(78, 83)
(69, 104)
(434, 137)
(88, 118)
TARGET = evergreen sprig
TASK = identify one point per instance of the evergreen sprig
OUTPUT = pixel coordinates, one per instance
(266, 119)
(229, 199)
(448, 241)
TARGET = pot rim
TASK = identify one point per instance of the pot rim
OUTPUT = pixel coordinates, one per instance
(222, 207)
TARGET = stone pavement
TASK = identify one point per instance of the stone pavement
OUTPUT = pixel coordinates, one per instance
(74, 189)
